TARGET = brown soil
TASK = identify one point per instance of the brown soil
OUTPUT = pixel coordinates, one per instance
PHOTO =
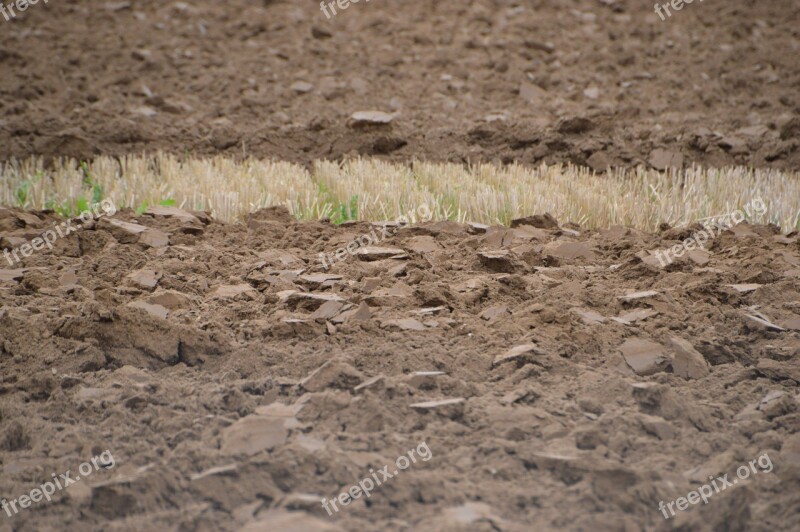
(176, 357)
(597, 83)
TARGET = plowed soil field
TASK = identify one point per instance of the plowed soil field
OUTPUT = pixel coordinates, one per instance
(164, 369)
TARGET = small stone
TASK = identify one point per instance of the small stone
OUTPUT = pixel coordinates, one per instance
(332, 374)
(155, 238)
(170, 299)
(11, 242)
(172, 212)
(761, 323)
(637, 315)
(308, 301)
(699, 256)
(658, 399)
(405, 324)
(370, 283)
(372, 384)
(518, 353)
(423, 244)
(469, 513)
(141, 54)
(501, 261)
(370, 253)
(123, 227)
(777, 403)
(779, 370)
(320, 279)
(661, 159)
(638, 295)
(687, 361)
(68, 279)
(429, 311)
(7, 276)
(145, 279)
(424, 380)
(233, 291)
(477, 228)
(280, 519)
(570, 250)
(302, 87)
(364, 118)
(599, 161)
(156, 311)
(253, 434)
(145, 111)
(589, 317)
(657, 426)
(744, 288)
(327, 310)
(589, 439)
(495, 117)
(732, 144)
(117, 6)
(451, 408)
(590, 405)
(363, 313)
(541, 46)
(540, 221)
(643, 356)
(575, 125)
(320, 33)
(532, 93)
(302, 502)
(494, 312)
(219, 470)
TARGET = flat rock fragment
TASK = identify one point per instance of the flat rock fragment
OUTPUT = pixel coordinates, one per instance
(687, 362)
(637, 315)
(451, 408)
(332, 374)
(638, 295)
(405, 324)
(231, 291)
(145, 279)
(744, 288)
(759, 322)
(518, 353)
(156, 311)
(643, 356)
(172, 212)
(7, 276)
(370, 118)
(589, 317)
(253, 434)
(370, 253)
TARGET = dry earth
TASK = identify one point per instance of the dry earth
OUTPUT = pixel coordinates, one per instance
(560, 377)
(583, 81)
(237, 382)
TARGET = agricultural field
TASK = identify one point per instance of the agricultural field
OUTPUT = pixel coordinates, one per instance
(460, 266)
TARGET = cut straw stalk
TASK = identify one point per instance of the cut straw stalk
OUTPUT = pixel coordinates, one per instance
(383, 191)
